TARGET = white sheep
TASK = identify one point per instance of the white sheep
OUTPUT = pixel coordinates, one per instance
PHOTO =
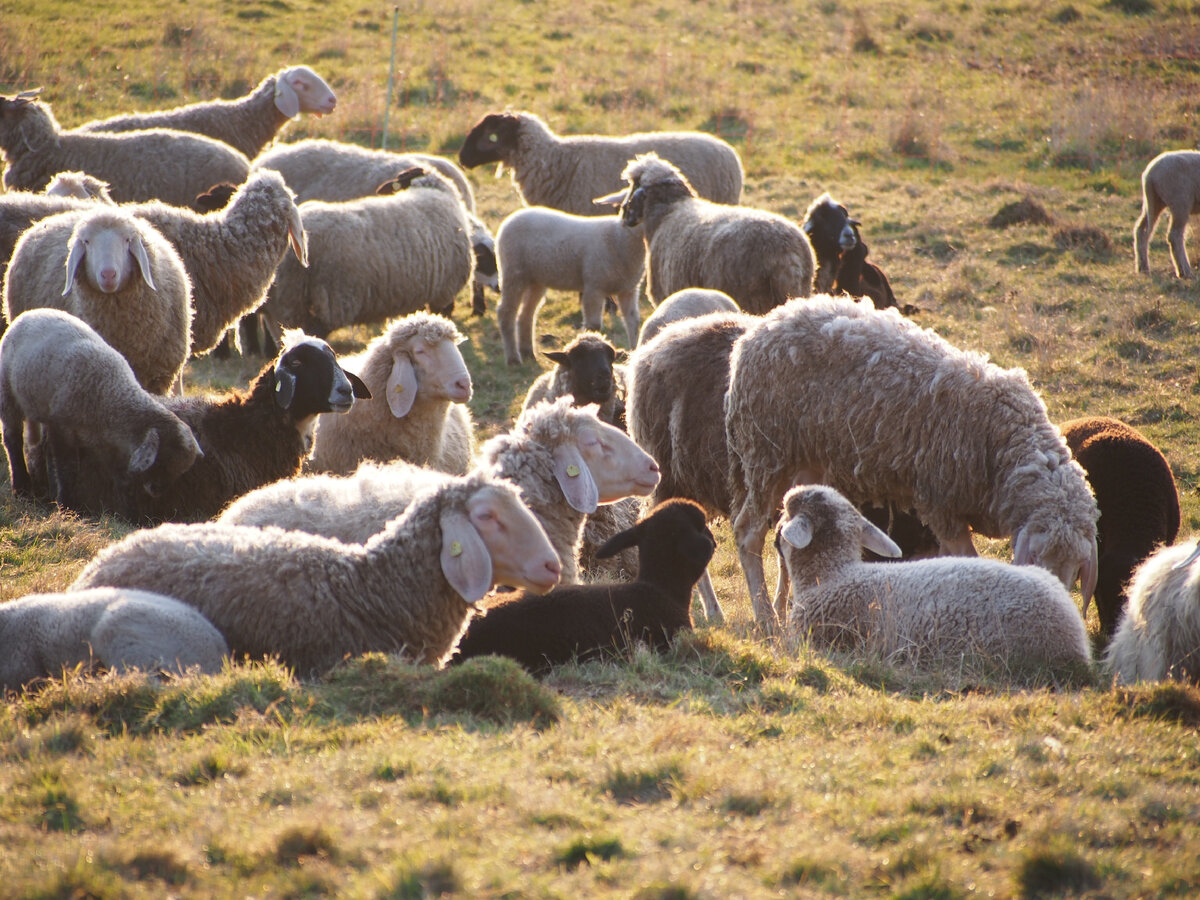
(43, 635)
(758, 258)
(158, 164)
(833, 391)
(122, 277)
(59, 376)
(1170, 181)
(566, 173)
(420, 382)
(924, 610)
(247, 123)
(313, 601)
(685, 304)
(79, 185)
(1158, 636)
(539, 248)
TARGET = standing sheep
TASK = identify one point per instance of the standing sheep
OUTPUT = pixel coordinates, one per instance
(567, 173)
(1170, 181)
(686, 304)
(20, 209)
(313, 601)
(539, 248)
(758, 258)
(122, 277)
(969, 448)
(247, 123)
(158, 164)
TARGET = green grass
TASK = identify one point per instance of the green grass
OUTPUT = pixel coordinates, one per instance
(734, 765)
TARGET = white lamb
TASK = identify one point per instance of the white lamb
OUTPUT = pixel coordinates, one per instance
(1170, 181)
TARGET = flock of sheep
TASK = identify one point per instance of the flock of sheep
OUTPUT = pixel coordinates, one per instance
(340, 506)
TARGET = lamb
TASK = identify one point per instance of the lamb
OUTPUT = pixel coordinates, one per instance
(595, 621)
(1138, 501)
(158, 164)
(1159, 634)
(539, 248)
(970, 447)
(79, 185)
(57, 374)
(313, 601)
(758, 258)
(1170, 181)
(416, 365)
(248, 123)
(831, 233)
(122, 277)
(566, 173)
(927, 610)
(587, 371)
(686, 304)
(376, 257)
(43, 635)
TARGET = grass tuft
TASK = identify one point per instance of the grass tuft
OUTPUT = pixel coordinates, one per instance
(1168, 702)
(587, 850)
(1053, 870)
(1025, 211)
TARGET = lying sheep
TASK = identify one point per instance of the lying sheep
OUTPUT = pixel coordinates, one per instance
(596, 621)
(588, 372)
(43, 635)
(831, 232)
(122, 277)
(1139, 504)
(58, 375)
(566, 173)
(539, 248)
(157, 164)
(1170, 181)
(314, 601)
(692, 242)
(686, 304)
(935, 609)
(1158, 636)
(247, 123)
(415, 365)
(970, 448)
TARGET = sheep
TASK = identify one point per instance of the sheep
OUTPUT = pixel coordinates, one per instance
(122, 277)
(926, 610)
(416, 365)
(58, 374)
(79, 185)
(566, 173)
(858, 278)
(1158, 636)
(1170, 181)
(969, 448)
(831, 232)
(313, 601)
(376, 257)
(158, 164)
(588, 371)
(595, 621)
(248, 123)
(758, 258)
(685, 304)
(43, 635)
(539, 248)
(1138, 501)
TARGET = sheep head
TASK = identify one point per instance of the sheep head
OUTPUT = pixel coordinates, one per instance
(827, 531)
(300, 89)
(588, 361)
(493, 139)
(109, 245)
(309, 381)
(674, 542)
(831, 232)
(424, 361)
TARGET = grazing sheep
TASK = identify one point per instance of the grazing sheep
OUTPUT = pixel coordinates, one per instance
(539, 248)
(376, 257)
(43, 635)
(566, 173)
(79, 185)
(596, 621)
(247, 123)
(314, 601)
(122, 277)
(1138, 501)
(588, 372)
(831, 232)
(159, 164)
(1170, 181)
(58, 375)
(416, 365)
(686, 304)
(933, 609)
(969, 448)
(758, 258)
(1159, 635)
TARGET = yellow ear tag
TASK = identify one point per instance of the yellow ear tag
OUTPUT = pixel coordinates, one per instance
(455, 548)
(493, 137)
(398, 389)
(573, 471)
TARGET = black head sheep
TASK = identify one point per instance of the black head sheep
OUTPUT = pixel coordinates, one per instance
(831, 232)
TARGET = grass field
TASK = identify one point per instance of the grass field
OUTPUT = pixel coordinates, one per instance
(736, 766)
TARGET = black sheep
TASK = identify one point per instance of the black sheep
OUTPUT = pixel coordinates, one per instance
(831, 232)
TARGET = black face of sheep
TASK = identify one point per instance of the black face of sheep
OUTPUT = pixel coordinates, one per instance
(831, 232)
(590, 364)
(491, 140)
(308, 381)
(12, 106)
(674, 542)
(633, 207)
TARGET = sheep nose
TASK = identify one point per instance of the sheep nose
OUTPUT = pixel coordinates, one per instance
(108, 280)
(461, 389)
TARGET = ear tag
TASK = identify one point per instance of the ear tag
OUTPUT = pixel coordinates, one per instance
(455, 548)
(573, 471)
(398, 389)
(493, 137)
(278, 386)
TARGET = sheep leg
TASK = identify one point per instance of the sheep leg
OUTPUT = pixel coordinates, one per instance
(14, 446)
(750, 527)
(1143, 230)
(783, 590)
(712, 609)
(530, 303)
(511, 302)
(62, 467)
(627, 302)
(592, 302)
(1183, 268)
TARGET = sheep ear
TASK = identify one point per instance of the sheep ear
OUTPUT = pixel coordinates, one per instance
(1089, 574)
(298, 237)
(74, 258)
(877, 541)
(285, 386)
(466, 562)
(1022, 554)
(808, 226)
(575, 479)
(146, 453)
(361, 391)
(615, 199)
(1191, 558)
(622, 540)
(286, 100)
(401, 386)
(558, 356)
(797, 531)
(138, 249)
